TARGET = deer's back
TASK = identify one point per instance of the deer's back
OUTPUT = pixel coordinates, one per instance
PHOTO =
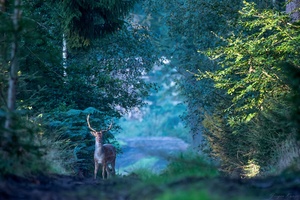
(109, 152)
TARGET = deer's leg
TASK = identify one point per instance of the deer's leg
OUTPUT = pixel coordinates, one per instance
(113, 167)
(103, 170)
(107, 171)
(96, 169)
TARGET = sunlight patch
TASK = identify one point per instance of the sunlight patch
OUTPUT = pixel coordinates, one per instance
(145, 163)
(251, 169)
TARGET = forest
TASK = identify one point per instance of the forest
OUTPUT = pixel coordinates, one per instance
(218, 78)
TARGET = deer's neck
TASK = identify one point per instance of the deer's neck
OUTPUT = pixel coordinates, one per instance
(98, 145)
(99, 152)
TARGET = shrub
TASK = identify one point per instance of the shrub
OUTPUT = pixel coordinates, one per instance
(190, 164)
(19, 152)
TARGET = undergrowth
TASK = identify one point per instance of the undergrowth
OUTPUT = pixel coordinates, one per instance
(58, 153)
(190, 164)
(19, 154)
(181, 169)
(28, 149)
(188, 195)
(184, 165)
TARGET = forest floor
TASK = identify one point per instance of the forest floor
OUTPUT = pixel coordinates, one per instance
(59, 187)
(129, 186)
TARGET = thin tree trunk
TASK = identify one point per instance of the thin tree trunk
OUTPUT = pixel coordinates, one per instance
(2, 5)
(3, 51)
(14, 66)
(65, 55)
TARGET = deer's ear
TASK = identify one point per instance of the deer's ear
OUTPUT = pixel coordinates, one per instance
(93, 133)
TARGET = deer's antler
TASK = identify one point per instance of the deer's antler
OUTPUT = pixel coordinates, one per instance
(88, 122)
(110, 126)
(89, 125)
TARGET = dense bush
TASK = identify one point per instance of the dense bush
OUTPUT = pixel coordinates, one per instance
(259, 119)
(73, 129)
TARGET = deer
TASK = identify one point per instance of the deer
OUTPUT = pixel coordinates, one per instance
(104, 154)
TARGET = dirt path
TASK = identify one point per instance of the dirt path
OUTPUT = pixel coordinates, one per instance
(130, 187)
(137, 152)
(151, 153)
(59, 187)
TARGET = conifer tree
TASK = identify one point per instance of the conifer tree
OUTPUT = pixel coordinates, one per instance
(86, 20)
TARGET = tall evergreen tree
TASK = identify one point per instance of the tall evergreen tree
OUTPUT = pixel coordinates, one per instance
(196, 26)
(255, 67)
(96, 76)
(83, 21)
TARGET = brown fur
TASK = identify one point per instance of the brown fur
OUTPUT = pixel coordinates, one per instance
(105, 154)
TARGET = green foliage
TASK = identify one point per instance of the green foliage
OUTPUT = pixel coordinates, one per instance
(58, 151)
(96, 76)
(30, 149)
(91, 73)
(184, 165)
(182, 171)
(191, 194)
(145, 174)
(261, 141)
(189, 164)
(161, 114)
(188, 27)
(40, 74)
(20, 154)
(115, 77)
(222, 145)
(84, 21)
(192, 26)
(43, 84)
(253, 61)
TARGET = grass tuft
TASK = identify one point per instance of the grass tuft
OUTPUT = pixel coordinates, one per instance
(189, 164)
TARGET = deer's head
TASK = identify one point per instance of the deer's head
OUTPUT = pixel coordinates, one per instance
(95, 133)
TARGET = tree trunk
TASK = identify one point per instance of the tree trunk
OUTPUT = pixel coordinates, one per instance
(65, 55)
(292, 8)
(2, 5)
(14, 64)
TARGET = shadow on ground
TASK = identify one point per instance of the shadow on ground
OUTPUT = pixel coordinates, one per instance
(151, 153)
(131, 187)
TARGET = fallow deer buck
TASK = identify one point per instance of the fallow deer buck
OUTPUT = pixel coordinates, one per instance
(105, 154)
